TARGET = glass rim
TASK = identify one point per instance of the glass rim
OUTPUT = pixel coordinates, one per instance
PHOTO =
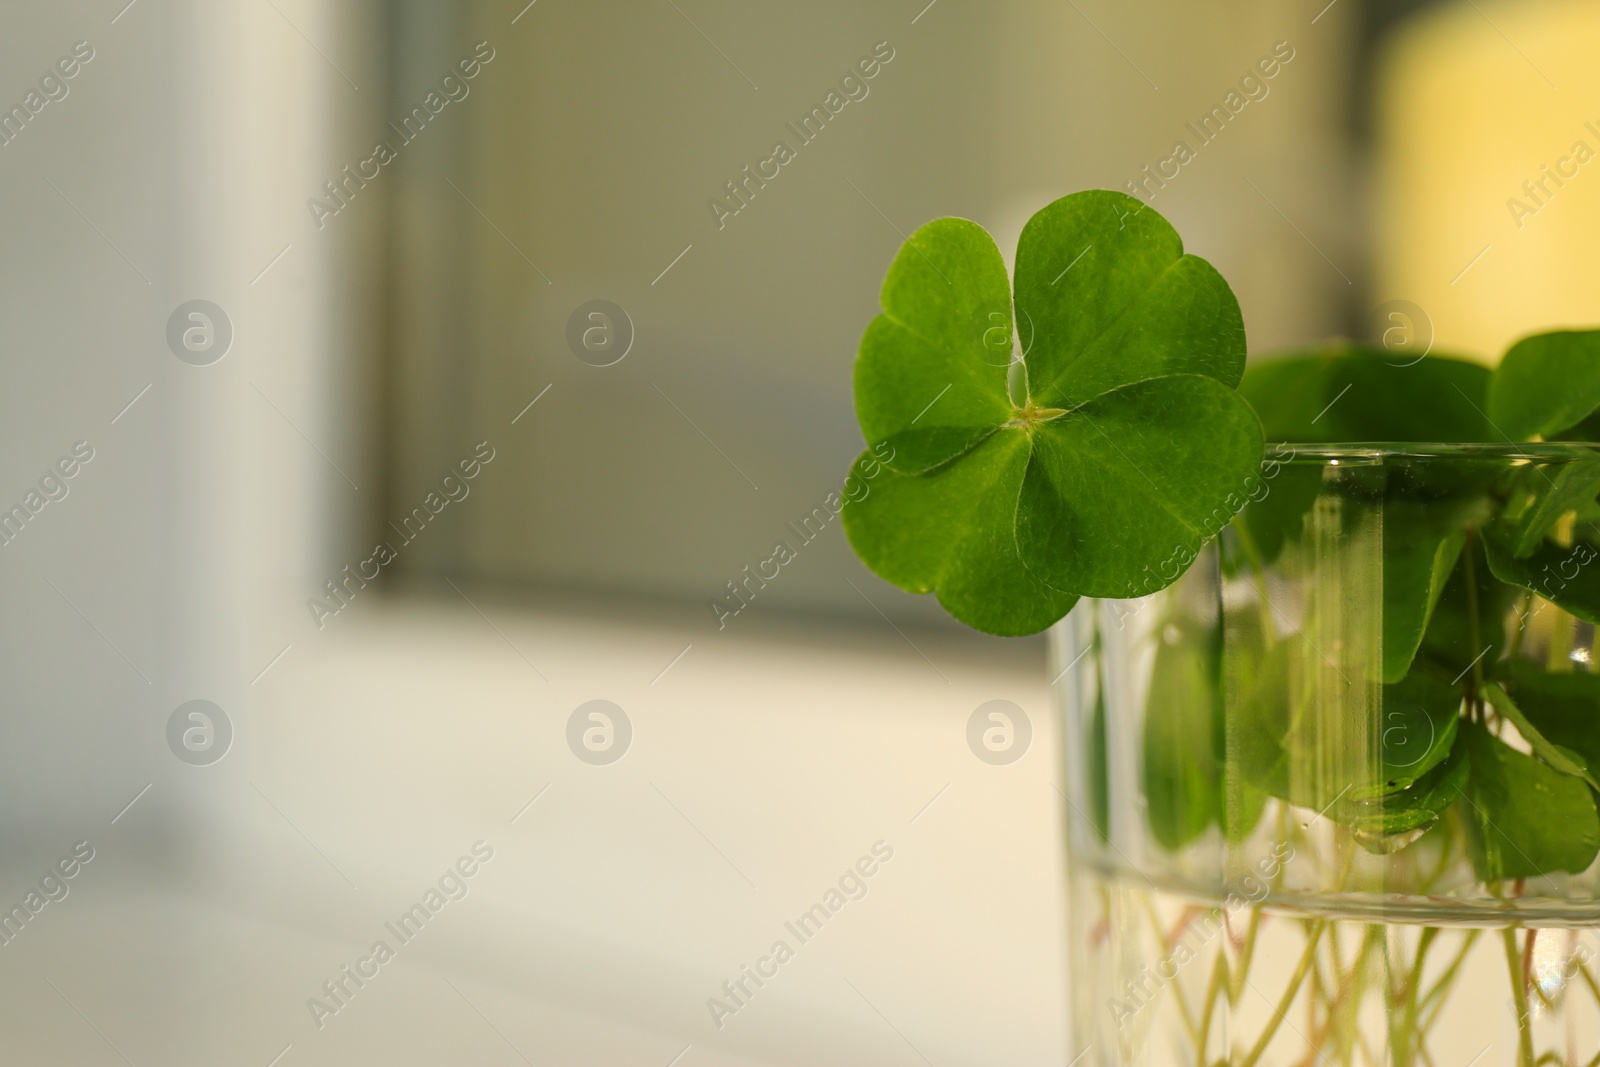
(1377, 451)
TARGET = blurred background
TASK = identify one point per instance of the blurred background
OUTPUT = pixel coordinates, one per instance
(304, 278)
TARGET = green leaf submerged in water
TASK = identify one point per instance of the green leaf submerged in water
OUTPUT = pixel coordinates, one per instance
(1526, 818)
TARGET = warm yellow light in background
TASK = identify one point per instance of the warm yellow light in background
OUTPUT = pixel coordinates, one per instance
(1477, 101)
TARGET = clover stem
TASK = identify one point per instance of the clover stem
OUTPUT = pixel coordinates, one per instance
(1219, 974)
(1474, 627)
(1519, 996)
(1167, 942)
(1557, 659)
(1257, 564)
(1588, 980)
(1314, 931)
(1411, 991)
(1525, 605)
(1446, 854)
(1246, 951)
(1441, 986)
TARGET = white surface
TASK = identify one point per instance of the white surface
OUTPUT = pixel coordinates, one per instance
(608, 915)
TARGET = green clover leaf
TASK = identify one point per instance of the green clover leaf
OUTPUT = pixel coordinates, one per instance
(1182, 764)
(1347, 393)
(1546, 383)
(1524, 818)
(1563, 759)
(1085, 441)
(1551, 497)
(1562, 706)
(1560, 574)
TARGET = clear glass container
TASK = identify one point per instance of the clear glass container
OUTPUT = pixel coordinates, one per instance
(1310, 820)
